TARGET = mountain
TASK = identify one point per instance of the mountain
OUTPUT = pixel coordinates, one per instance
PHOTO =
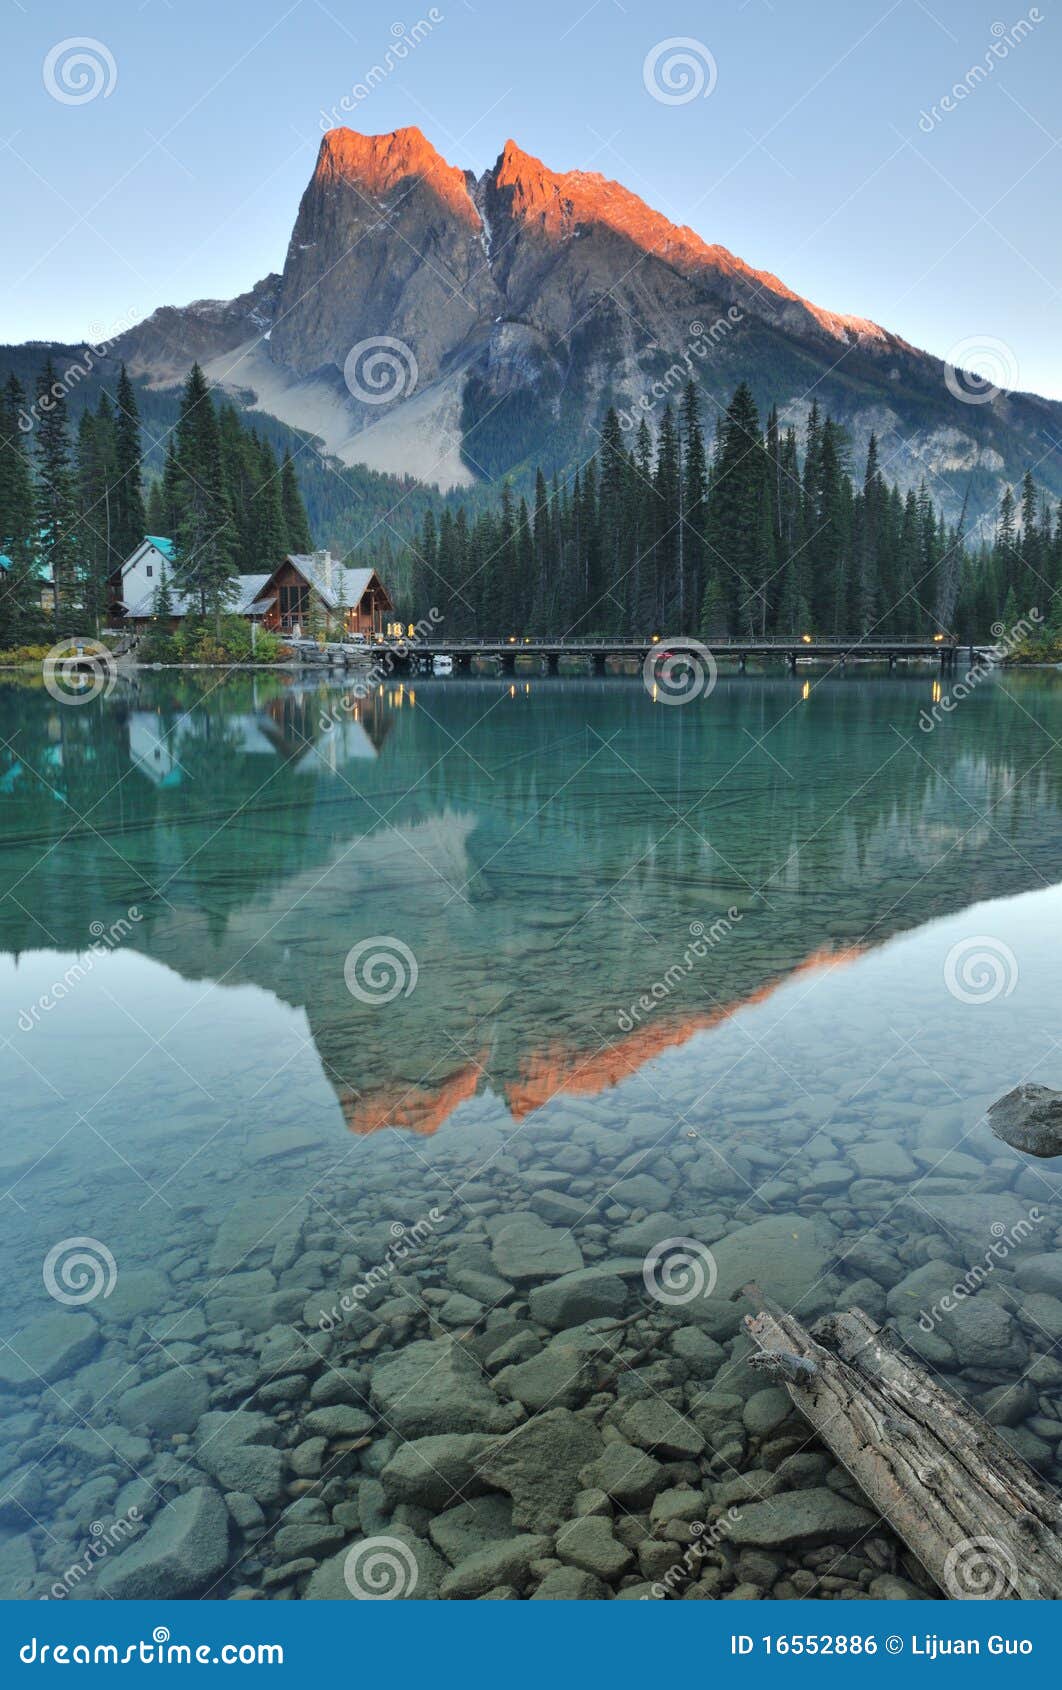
(432, 324)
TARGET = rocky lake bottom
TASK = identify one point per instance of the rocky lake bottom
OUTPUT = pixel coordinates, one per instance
(487, 1342)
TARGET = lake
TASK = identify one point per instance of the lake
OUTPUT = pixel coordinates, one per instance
(364, 1061)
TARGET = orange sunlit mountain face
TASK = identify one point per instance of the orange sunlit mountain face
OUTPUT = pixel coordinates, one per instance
(548, 1073)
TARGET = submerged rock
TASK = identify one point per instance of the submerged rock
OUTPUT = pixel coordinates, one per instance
(587, 1294)
(398, 1565)
(179, 1555)
(506, 1562)
(432, 1387)
(1029, 1118)
(470, 1526)
(433, 1471)
(48, 1349)
(804, 1517)
(171, 1402)
(539, 1467)
(524, 1248)
(589, 1545)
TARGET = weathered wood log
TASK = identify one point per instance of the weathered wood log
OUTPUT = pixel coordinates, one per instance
(976, 1516)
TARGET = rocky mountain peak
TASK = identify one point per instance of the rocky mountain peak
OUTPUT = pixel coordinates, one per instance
(377, 165)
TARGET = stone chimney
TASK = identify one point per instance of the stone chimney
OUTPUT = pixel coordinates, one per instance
(326, 567)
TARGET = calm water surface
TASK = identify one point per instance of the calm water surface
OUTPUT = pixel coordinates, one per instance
(273, 990)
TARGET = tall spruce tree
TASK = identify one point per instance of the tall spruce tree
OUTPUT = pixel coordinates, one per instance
(129, 516)
(56, 501)
(206, 541)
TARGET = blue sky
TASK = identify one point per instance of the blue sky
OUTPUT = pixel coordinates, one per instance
(818, 153)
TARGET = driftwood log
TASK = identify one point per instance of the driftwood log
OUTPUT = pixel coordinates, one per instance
(974, 1514)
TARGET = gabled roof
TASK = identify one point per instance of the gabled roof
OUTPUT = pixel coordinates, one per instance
(161, 545)
(184, 604)
(329, 577)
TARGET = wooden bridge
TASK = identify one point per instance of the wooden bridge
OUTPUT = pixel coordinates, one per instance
(788, 647)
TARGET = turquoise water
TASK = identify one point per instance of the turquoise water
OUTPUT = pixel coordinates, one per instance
(763, 958)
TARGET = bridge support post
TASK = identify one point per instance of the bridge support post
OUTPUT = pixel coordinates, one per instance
(892, 661)
(742, 663)
(790, 660)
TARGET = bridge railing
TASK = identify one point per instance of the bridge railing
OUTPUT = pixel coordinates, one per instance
(783, 642)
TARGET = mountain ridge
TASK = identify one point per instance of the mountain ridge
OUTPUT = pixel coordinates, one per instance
(526, 300)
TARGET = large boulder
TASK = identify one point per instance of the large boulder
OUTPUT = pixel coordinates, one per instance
(48, 1349)
(183, 1551)
(559, 1376)
(801, 1518)
(236, 1449)
(589, 1544)
(539, 1465)
(587, 1294)
(171, 1402)
(435, 1386)
(787, 1255)
(434, 1472)
(1029, 1118)
(397, 1565)
(1041, 1273)
(506, 1562)
(524, 1248)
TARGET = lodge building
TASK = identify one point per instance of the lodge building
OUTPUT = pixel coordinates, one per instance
(305, 590)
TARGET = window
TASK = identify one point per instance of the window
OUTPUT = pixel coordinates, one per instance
(294, 604)
(149, 570)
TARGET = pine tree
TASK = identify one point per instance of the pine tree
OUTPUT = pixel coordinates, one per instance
(97, 472)
(733, 533)
(694, 511)
(18, 588)
(56, 500)
(298, 537)
(667, 549)
(204, 563)
(129, 519)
